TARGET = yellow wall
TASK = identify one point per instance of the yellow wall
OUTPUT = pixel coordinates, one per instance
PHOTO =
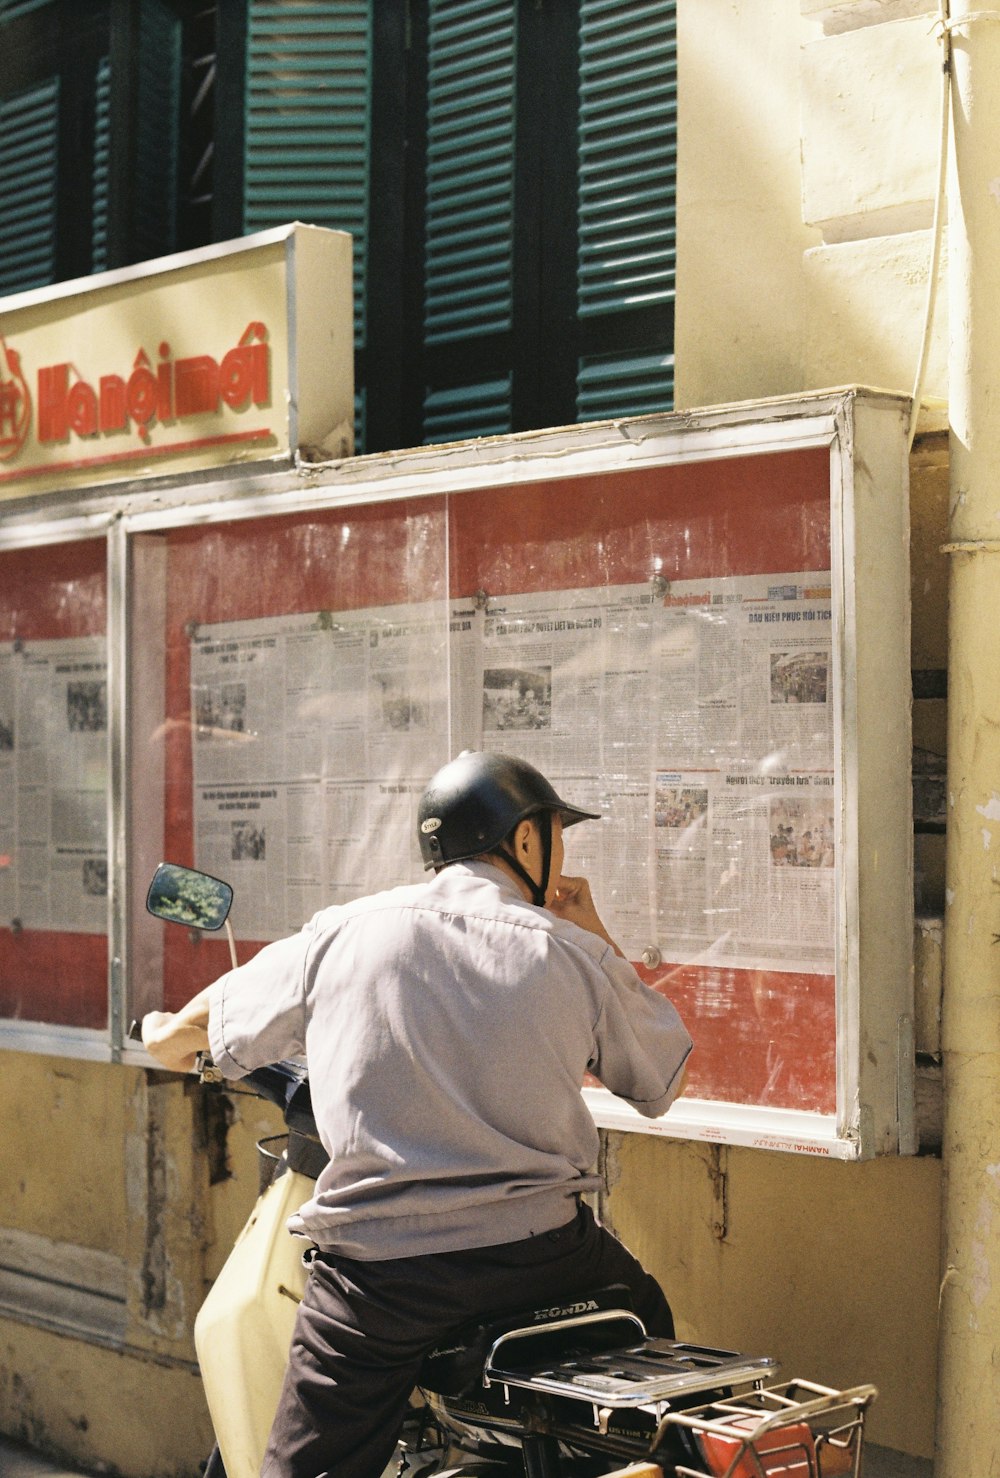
(808, 161)
(806, 180)
(107, 1196)
(805, 197)
(88, 1405)
(57, 1112)
(831, 1268)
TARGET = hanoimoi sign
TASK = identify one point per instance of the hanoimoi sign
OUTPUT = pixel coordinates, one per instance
(241, 352)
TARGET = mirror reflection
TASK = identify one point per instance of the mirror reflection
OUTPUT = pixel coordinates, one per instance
(182, 896)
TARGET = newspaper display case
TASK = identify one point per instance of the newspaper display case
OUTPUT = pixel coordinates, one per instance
(54, 788)
(695, 624)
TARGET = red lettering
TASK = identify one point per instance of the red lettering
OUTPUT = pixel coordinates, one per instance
(243, 374)
(141, 394)
(196, 386)
(10, 401)
(53, 384)
(81, 406)
(112, 412)
(261, 389)
(165, 384)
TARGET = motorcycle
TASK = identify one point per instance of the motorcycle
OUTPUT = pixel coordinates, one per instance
(572, 1391)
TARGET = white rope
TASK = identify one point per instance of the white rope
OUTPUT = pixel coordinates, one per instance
(944, 27)
(946, 24)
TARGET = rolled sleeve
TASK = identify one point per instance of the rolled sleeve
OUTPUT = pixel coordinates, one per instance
(641, 1044)
(257, 1012)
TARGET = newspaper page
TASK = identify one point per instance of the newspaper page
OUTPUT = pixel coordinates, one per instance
(744, 868)
(743, 845)
(697, 724)
(53, 785)
(665, 713)
(313, 737)
(565, 685)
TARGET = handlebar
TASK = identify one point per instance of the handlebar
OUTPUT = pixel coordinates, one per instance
(285, 1084)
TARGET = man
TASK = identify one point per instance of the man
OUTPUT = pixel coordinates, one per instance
(448, 1027)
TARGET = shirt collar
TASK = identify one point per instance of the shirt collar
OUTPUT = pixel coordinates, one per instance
(490, 871)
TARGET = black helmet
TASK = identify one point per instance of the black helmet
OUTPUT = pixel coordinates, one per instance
(476, 800)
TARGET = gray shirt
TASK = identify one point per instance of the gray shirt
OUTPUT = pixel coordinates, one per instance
(448, 1027)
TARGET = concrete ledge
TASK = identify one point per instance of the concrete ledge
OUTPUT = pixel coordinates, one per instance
(883, 1462)
(21, 1462)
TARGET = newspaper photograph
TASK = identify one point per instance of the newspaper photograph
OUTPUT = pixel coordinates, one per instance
(53, 785)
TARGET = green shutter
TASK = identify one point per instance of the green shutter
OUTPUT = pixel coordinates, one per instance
(470, 169)
(461, 412)
(158, 123)
(10, 10)
(29, 142)
(99, 177)
(609, 386)
(308, 121)
(627, 154)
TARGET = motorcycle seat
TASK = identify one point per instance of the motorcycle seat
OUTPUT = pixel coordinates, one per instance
(455, 1366)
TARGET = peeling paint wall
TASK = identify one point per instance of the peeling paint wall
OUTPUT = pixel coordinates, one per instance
(830, 1267)
(122, 1193)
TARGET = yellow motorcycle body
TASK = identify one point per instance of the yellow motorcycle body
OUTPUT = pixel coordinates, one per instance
(244, 1329)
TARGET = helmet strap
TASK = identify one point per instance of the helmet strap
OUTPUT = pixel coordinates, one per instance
(541, 888)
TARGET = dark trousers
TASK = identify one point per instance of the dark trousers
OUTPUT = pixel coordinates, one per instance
(363, 1329)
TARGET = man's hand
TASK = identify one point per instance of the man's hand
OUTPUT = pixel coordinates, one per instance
(175, 1038)
(573, 901)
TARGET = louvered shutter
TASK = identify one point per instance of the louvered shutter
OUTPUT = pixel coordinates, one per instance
(470, 169)
(29, 141)
(469, 216)
(99, 176)
(158, 118)
(623, 385)
(456, 414)
(307, 136)
(10, 10)
(627, 186)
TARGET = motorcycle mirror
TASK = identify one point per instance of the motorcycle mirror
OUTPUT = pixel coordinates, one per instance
(182, 896)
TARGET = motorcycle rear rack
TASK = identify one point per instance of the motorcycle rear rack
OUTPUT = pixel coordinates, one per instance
(630, 1373)
(801, 1430)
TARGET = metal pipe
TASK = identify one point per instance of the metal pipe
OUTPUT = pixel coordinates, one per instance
(968, 1438)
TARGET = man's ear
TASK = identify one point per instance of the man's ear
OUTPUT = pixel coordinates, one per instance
(522, 836)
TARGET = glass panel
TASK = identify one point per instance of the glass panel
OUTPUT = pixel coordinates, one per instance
(289, 702)
(53, 785)
(658, 642)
